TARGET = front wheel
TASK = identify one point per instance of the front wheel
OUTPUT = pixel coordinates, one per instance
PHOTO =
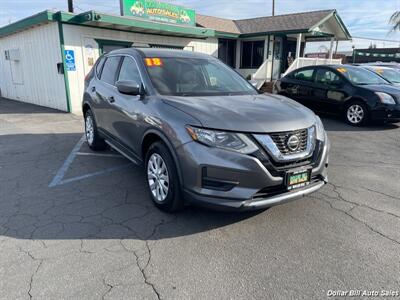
(356, 113)
(162, 178)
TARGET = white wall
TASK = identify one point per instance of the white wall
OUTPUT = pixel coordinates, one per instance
(34, 79)
(82, 40)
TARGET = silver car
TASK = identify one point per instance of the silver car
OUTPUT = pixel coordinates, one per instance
(203, 133)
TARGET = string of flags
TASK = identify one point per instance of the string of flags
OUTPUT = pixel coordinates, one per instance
(390, 55)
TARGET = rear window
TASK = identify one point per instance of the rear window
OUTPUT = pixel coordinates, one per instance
(304, 75)
(110, 68)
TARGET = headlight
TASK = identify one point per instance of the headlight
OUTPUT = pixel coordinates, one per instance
(320, 129)
(385, 98)
(226, 140)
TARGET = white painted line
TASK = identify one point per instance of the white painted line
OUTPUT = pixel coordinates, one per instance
(99, 154)
(59, 178)
(64, 168)
(94, 174)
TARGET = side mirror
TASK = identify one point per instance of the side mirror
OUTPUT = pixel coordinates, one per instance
(130, 87)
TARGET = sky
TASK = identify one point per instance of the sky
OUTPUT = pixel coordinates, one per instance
(363, 18)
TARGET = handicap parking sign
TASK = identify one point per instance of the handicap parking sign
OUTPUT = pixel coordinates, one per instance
(70, 60)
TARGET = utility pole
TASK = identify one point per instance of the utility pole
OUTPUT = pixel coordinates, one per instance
(273, 7)
(70, 6)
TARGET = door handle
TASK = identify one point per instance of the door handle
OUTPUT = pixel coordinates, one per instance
(93, 89)
(111, 99)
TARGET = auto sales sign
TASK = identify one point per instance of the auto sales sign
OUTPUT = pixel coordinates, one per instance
(158, 11)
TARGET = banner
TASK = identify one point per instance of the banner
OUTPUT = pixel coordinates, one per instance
(158, 11)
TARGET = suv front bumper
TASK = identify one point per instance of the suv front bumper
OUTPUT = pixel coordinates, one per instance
(243, 182)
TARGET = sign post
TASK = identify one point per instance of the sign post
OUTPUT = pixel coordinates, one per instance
(158, 11)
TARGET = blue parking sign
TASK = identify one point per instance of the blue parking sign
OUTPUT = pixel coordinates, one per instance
(70, 60)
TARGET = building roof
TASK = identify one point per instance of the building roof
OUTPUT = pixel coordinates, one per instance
(318, 24)
(107, 21)
(290, 22)
(219, 24)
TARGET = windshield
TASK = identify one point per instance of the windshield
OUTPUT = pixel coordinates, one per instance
(360, 76)
(195, 77)
(389, 74)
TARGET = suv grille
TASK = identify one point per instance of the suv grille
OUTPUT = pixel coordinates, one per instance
(281, 141)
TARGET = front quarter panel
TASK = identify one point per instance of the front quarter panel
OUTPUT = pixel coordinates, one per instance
(159, 117)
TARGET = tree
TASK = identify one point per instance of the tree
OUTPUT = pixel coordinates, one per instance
(395, 21)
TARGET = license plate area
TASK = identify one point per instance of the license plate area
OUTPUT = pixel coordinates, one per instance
(298, 179)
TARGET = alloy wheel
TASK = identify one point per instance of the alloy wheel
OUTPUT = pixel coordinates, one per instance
(158, 178)
(355, 114)
(89, 129)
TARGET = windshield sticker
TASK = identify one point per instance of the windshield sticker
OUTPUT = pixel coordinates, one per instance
(153, 62)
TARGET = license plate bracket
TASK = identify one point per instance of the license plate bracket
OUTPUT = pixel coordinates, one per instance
(298, 178)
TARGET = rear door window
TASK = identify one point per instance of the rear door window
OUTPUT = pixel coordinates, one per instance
(110, 69)
(304, 75)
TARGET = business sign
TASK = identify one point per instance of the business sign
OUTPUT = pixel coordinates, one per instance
(70, 60)
(158, 11)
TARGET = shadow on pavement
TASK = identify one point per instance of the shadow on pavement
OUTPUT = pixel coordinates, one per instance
(113, 205)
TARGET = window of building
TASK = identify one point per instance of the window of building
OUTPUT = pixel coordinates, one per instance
(227, 52)
(252, 55)
(110, 68)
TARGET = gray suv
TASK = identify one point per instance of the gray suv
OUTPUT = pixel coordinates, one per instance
(203, 133)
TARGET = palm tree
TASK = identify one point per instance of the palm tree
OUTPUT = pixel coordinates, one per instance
(395, 21)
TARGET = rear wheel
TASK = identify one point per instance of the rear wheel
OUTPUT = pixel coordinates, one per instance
(356, 113)
(162, 178)
(93, 139)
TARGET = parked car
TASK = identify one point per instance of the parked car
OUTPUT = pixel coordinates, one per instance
(392, 65)
(203, 133)
(356, 93)
(390, 74)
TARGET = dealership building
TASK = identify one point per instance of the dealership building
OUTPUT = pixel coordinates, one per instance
(45, 58)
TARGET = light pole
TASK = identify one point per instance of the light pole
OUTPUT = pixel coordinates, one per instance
(70, 6)
(273, 7)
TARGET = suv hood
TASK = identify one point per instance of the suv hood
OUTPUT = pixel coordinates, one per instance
(246, 113)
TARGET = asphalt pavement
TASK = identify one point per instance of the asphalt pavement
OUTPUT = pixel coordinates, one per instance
(75, 224)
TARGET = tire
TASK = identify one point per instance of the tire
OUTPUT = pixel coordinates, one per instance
(162, 178)
(93, 138)
(356, 113)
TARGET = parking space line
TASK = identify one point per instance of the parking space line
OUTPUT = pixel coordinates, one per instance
(64, 168)
(59, 177)
(117, 168)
